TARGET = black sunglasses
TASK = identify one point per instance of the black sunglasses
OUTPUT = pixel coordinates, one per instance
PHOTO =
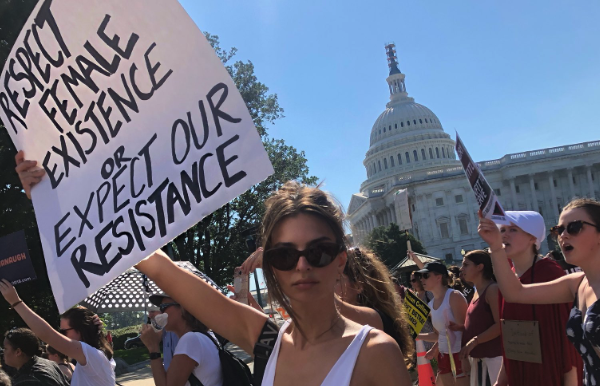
(573, 228)
(425, 275)
(286, 258)
(163, 307)
(414, 280)
(64, 330)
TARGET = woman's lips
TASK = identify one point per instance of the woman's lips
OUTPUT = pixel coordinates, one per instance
(305, 284)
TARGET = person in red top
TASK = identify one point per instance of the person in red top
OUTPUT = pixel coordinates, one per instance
(481, 337)
(561, 365)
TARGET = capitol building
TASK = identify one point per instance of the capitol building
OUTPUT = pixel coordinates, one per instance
(409, 149)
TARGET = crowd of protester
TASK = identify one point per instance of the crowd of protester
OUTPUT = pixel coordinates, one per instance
(346, 321)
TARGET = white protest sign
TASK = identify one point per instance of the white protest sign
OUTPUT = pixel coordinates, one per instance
(138, 125)
(402, 209)
(484, 194)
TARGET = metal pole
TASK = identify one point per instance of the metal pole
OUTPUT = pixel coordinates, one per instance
(258, 295)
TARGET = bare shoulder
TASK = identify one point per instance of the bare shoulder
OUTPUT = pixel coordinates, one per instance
(380, 362)
(573, 280)
(456, 296)
(362, 315)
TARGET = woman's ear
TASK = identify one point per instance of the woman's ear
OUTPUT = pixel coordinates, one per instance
(343, 259)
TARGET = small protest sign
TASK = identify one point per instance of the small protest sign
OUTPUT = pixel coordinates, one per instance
(402, 209)
(417, 312)
(521, 340)
(139, 127)
(15, 263)
(484, 194)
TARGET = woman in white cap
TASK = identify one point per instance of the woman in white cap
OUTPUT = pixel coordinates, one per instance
(520, 242)
(447, 306)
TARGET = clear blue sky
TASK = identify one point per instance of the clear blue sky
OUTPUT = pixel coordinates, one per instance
(508, 75)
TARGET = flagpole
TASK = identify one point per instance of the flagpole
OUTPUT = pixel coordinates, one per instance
(258, 296)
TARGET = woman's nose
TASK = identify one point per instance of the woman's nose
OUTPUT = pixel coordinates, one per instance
(303, 264)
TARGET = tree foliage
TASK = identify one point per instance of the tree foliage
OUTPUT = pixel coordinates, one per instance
(389, 243)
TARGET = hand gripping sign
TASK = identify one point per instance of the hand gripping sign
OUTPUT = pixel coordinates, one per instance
(138, 125)
(484, 194)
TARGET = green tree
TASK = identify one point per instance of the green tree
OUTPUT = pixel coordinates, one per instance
(216, 245)
(389, 243)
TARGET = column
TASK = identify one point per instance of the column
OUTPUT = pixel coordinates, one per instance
(393, 211)
(571, 187)
(553, 195)
(432, 219)
(452, 227)
(533, 194)
(588, 170)
(513, 194)
(374, 220)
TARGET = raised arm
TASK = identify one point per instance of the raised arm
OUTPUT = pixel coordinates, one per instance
(40, 327)
(28, 171)
(234, 321)
(561, 290)
(413, 256)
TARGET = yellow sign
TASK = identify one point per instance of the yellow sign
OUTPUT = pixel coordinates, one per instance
(417, 312)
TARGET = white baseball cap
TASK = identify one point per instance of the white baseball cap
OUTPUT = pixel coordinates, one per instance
(530, 222)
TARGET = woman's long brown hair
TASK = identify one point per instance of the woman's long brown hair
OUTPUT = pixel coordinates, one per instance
(82, 320)
(378, 292)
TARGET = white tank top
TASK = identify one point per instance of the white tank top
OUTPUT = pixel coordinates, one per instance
(439, 318)
(339, 375)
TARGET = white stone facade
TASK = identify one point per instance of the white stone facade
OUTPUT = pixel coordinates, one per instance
(410, 150)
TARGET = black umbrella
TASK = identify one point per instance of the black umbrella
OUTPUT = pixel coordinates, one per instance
(131, 290)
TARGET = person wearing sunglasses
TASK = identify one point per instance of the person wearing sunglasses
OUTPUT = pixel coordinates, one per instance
(80, 337)
(195, 354)
(169, 339)
(447, 306)
(22, 351)
(304, 254)
(426, 296)
(528, 290)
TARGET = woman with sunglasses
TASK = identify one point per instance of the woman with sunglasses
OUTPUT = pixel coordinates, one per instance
(80, 337)
(196, 354)
(304, 255)
(446, 306)
(426, 296)
(304, 244)
(536, 289)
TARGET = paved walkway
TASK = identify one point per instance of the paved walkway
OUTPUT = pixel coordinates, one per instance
(143, 375)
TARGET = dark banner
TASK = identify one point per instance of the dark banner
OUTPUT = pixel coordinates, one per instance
(15, 262)
(484, 194)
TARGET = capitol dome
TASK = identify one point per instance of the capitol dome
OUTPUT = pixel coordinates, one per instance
(406, 137)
